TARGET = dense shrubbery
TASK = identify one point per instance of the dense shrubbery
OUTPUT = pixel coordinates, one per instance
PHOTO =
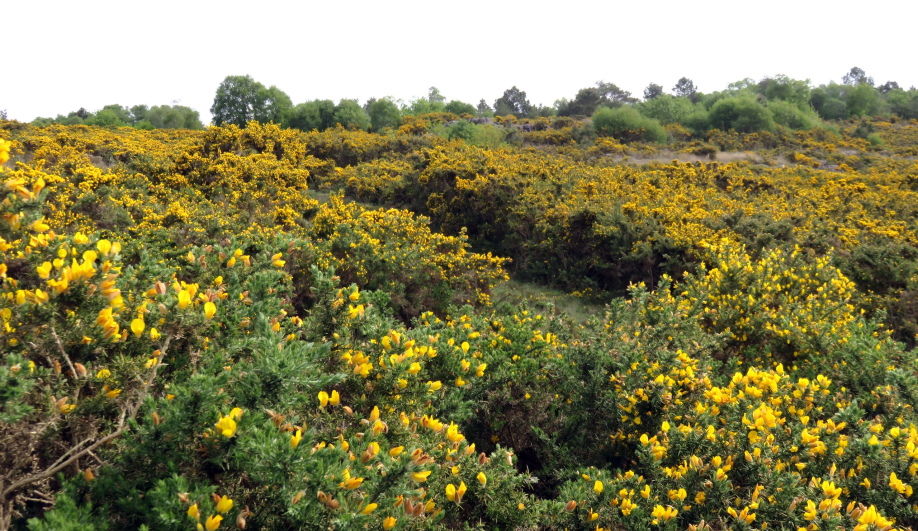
(190, 339)
(627, 125)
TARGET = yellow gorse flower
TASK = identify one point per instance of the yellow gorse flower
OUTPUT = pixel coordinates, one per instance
(226, 426)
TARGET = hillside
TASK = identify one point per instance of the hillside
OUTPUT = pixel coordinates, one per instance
(192, 339)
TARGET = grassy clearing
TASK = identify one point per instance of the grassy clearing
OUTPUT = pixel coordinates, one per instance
(541, 298)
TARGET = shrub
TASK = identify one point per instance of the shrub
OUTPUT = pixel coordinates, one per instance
(667, 109)
(462, 130)
(627, 124)
(791, 116)
(742, 114)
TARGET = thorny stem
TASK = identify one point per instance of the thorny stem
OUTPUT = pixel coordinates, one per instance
(7, 492)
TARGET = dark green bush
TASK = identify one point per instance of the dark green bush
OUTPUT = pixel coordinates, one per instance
(792, 116)
(462, 130)
(627, 124)
(742, 114)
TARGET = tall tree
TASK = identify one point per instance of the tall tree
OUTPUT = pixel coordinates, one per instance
(652, 91)
(351, 115)
(888, 87)
(584, 103)
(686, 88)
(240, 99)
(857, 76)
(513, 102)
(459, 107)
(384, 113)
(273, 105)
(434, 96)
(483, 108)
(782, 87)
(613, 96)
(317, 114)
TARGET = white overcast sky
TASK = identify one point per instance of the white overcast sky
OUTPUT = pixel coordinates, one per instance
(63, 55)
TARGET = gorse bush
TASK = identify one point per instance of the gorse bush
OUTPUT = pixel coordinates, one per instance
(193, 341)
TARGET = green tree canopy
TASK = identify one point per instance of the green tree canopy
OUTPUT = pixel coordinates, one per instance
(613, 96)
(316, 114)
(434, 96)
(857, 76)
(743, 114)
(106, 118)
(903, 103)
(171, 117)
(483, 108)
(652, 91)
(863, 100)
(513, 102)
(351, 115)
(685, 87)
(584, 103)
(384, 113)
(273, 105)
(784, 88)
(667, 109)
(240, 99)
(460, 107)
(627, 125)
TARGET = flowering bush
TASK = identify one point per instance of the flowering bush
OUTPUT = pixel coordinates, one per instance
(191, 341)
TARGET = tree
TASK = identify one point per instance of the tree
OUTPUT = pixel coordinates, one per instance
(273, 105)
(543, 111)
(305, 117)
(784, 88)
(888, 87)
(384, 113)
(745, 84)
(513, 102)
(106, 118)
(613, 96)
(172, 117)
(686, 88)
(863, 100)
(123, 113)
(584, 103)
(652, 91)
(667, 109)
(240, 99)
(462, 130)
(903, 103)
(316, 114)
(857, 77)
(483, 108)
(434, 96)
(460, 107)
(139, 113)
(351, 115)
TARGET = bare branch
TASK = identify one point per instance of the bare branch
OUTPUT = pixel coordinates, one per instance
(47, 473)
(63, 463)
(149, 381)
(60, 347)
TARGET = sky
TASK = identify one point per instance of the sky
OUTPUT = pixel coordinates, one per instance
(63, 55)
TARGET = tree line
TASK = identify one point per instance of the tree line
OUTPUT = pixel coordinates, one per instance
(139, 116)
(745, 106)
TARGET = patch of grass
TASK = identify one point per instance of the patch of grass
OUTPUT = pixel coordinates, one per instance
(541, 298)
